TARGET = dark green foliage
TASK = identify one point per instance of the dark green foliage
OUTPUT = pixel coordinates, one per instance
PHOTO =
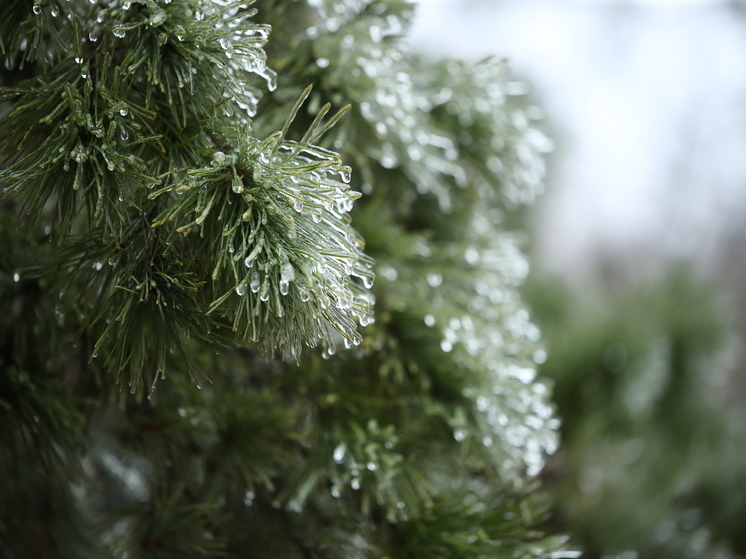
(171, 230)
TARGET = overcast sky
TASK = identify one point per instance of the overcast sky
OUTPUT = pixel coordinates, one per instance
(647, 101)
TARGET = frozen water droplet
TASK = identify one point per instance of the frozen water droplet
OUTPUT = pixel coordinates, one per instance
(37, 9)
(434, 279)
(540, 356)
(54, 9)
(157, 17)
(97, 266)
(287, 272)
(322, 62)
(79, 60)
(16, 277)
(218, 158)
(446, 346)
(126, 5)
(264, 291)
(339, 454)
(429, 320)
(123, 112)
(335, 492)
(241, 289)
(124, 134)
(297, 205)
(182, 412)
(345, 173)
(355, 483)
(92, 38)
(119, 33)
(372, 466)
(271, 79)
(254, 281)
(472, 256)
(459, 434)
(284, 287)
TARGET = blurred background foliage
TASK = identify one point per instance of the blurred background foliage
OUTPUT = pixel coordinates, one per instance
(651, 462)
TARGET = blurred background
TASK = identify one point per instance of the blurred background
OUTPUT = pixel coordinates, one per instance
(639, 256)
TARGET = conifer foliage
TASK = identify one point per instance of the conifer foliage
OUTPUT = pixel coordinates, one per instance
(195, 359)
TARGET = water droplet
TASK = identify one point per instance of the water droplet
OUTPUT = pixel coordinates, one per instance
(241, 289)
(97, 266)
(16, 277)
(123, 112)
(446, 346)
(124, 134)
(287, 272)
(540, 356)
(339, 454)
(472, 256)
(248, 498)
(157, 17)
(182, 412)
(355, 483)
(322, 62)
(119, 33)
(297, 205)
(459, 434)
(434, 279)
(254, 281)
(429, 320)
(372, 466)
(54, 9)
(345, 173)
(37, 9)
(335, 492)
(92, 38)
(218, 158)
(264, 291)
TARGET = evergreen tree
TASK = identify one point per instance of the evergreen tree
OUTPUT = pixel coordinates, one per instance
(195, 360)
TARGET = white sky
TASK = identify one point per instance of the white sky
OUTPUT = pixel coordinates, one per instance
(647, 100)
